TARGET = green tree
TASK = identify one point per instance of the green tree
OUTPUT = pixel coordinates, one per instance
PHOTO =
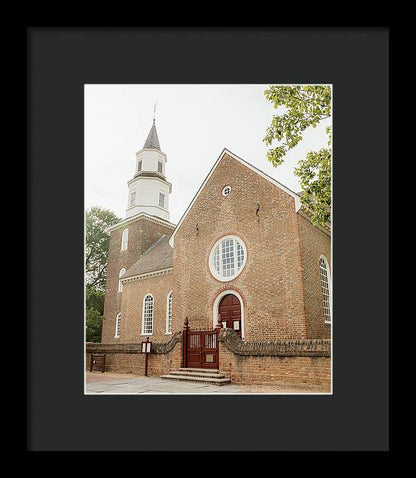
(304, 106)
(97, 239)
(94, 308)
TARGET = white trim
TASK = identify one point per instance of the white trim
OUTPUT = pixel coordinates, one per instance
(124, 239)
(140, 177)
(153, 149)
(120, 284)
(153, 313)
(211, 258)
(148, 274)
(217, 303)
(130, 219)
(167, 313)
(249, 166)
(118, 323)
(224, 191)
(147, 205)
(328, 271)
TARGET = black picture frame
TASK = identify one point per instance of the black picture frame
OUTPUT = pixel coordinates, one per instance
(59, 62)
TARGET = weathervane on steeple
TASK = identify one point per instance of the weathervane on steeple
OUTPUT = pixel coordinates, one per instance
(154, 112)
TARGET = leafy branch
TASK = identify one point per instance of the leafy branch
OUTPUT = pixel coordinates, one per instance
(306, 106)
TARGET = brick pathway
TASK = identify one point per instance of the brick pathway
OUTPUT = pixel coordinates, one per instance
(111, 384)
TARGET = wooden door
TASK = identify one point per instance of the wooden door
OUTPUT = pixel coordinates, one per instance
(230, 310)
(202, 349)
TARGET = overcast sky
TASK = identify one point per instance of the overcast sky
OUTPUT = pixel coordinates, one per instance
(194, 124)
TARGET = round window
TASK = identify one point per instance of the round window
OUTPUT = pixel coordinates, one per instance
(227, 258)
(226, 190)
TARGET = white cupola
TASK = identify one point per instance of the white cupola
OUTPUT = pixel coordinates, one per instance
(148, 190)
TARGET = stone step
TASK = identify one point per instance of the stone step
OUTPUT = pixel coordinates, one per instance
(199, 370)
(199, 379)
(196, 373)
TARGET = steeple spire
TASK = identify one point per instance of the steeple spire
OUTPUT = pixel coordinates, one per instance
(152, 141)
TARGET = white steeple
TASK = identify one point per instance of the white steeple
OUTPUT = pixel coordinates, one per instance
(148, 190)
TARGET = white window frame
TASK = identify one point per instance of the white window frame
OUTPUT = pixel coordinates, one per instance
(160, 167)
(169, 313)
(164, 199)
(120, 285)
(212, 268)
(124, 239)
(139, 165)
(226, 191)
(118, 323)
(143, 311)
(328, 274)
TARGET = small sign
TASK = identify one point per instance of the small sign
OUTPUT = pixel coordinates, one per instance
(146, 347)
(224, 325)
(236, 325)
(97, 362)
(209, 358)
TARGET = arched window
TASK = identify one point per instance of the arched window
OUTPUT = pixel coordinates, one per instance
(169, 313)
(125, 239)
(120, 285)
(227, 258)
(326, 288)
(118, 321)
(147, 316)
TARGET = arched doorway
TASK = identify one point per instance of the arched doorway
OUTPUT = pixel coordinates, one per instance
(229, 312)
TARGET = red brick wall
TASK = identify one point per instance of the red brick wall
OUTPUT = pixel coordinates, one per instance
(313, 243)
(122, 362)
(271, 282)
(247, 369)
(132, 308)
(143, 232)
(241, 369)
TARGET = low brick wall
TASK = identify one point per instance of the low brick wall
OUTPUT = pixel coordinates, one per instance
(295, 361)
(127, 358)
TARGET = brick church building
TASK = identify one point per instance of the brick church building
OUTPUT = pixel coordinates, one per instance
(241, 285)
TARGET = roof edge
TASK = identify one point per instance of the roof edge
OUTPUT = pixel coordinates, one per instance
(130, 219)
(145, 275)
(225, 151)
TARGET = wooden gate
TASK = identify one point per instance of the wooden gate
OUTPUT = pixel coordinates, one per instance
(200, 347)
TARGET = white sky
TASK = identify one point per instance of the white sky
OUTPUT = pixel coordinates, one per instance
(194, 124)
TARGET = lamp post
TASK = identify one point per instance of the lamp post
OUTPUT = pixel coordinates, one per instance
(146, 347)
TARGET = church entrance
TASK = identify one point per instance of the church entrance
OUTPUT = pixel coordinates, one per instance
(199, 347)
(229, 313)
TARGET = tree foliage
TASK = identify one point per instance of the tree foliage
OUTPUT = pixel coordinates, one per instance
(96, 245)
(97, 240)
(93, 325)
(94, 299)
(94, 305)
(304, 107)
